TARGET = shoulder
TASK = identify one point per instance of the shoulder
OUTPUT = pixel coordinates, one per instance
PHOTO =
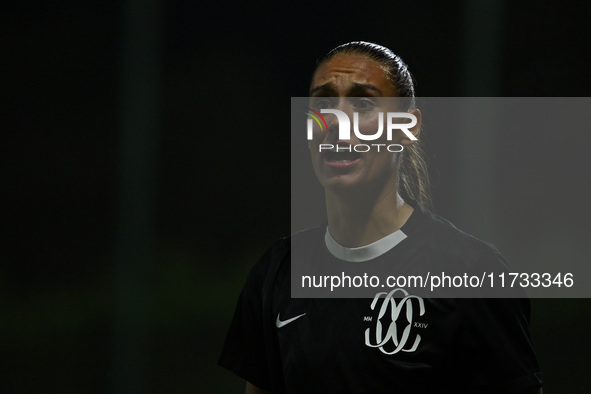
(441, 236)
(277, 256)
(445, 231)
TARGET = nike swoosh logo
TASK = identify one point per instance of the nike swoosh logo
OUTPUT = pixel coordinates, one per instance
(280, 323)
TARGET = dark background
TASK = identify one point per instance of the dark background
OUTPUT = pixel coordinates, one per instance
(145, 157)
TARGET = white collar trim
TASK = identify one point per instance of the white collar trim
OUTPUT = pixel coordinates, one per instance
(363, 253)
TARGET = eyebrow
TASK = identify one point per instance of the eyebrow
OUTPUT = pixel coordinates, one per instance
(356, 87)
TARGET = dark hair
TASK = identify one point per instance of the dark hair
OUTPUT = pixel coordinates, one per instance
(413, 177)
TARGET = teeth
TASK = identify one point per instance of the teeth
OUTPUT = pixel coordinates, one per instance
(340, 156)
(340, 150)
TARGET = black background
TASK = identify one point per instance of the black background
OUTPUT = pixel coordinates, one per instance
(223, 77)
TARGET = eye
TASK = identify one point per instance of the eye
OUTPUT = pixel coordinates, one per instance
(363, 104)
(323, 103)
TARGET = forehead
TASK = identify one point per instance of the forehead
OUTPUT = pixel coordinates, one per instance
(345, 70)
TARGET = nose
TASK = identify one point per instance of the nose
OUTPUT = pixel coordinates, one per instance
(333, 124)
(339, 126)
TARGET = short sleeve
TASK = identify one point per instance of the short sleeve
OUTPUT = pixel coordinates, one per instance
(250, 349)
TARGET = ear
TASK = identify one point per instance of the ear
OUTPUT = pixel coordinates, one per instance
(416, 130)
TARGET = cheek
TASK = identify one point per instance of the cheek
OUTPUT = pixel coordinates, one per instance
(318, 133)
(314, 145)
(319, 136)
(385, 162)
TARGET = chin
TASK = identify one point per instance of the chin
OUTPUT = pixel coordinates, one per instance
(341, 184)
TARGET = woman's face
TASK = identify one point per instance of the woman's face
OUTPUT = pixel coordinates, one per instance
(352, 83)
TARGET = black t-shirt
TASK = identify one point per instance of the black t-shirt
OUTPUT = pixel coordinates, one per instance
(394, 343)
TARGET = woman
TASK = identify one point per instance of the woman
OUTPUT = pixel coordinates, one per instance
(375, 201)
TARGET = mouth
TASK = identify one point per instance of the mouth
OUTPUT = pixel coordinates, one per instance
(341, 158)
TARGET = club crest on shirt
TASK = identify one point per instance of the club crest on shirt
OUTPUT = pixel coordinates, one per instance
(392, 330)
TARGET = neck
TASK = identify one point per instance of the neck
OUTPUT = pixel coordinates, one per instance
(360, 219)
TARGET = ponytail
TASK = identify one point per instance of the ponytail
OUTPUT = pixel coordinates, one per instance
(413, 176)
